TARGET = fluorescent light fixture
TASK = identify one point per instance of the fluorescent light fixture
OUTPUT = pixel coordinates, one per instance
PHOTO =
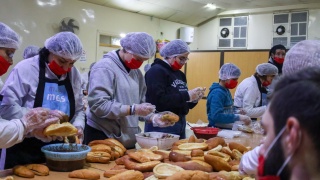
(211, 6)
(122, 35)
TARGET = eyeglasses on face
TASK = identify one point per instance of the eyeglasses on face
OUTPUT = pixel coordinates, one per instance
(182, 58)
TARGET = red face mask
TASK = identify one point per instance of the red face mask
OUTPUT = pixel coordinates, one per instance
(133, 63)
(232, 84)
(4, 65)
(278, 60)
(56, 69)
(266, 83)
(176, 66)
(261, 171)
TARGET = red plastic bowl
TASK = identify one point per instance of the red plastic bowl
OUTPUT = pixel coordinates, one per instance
(205, 132)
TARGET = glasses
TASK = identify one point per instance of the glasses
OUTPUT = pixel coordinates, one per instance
(182, 58)
(9, 53)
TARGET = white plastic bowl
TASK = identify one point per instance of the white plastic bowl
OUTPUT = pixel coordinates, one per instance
(149, 139)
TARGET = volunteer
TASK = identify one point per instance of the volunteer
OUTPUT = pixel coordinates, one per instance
(167, 86)
(251, 93)
(276, 57)
(117, 92)
(47, 80)
(220, 109)
(30, 51)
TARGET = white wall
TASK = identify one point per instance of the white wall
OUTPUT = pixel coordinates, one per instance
(260, 26)
(36, 22)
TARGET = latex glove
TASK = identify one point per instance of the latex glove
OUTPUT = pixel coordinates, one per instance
(38, 118)
(80, 134)
(245, 119)
(157, 120)
(201, 94)
(195, 93)
(143, 109)
(38, 133)
(59, 114)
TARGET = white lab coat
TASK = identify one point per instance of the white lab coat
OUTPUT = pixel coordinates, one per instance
(20, 89)
(248, 96)
(249, 162)
(11, 132)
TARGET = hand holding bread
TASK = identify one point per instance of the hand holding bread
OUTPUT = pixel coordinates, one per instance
(164, 119)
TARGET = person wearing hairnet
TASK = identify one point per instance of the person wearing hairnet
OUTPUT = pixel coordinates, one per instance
(46, 80)
(30, 51)
(220, 109)
(302, 55)
(117, 92)
(167, 87)
(276, 57)
(251, 94)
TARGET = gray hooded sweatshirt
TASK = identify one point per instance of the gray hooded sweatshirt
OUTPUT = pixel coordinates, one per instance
(111, 90)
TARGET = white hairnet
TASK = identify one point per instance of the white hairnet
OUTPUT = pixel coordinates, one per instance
(147, 67)
(265, 69)
(8, 37)
(65, 44)
(229, 71)
(139, 43)
(30, 51)
(303, 54)
(174, 48)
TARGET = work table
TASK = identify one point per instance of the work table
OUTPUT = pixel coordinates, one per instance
(245, 139)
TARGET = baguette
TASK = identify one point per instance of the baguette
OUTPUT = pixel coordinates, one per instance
(64, 129)
(84, 174)
(171, 117)
(128, 175)
(39, 169)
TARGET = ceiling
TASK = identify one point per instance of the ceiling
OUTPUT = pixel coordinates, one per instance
(191, 12)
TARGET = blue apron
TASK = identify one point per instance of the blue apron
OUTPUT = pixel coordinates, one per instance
(52, 94)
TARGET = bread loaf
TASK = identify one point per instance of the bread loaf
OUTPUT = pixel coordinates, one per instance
(98, 157)
(197, 152)
(239, 147)
(84, 174)
(189, 175)
(64, 129)
(39, 169)
(177, 157)
(214, 142)
(110, 173)
(101, 148)
(128, 175)
(143, 167)
(23, 171)
(164, 170)
(217, 163)
(171, 117)
(145, 156)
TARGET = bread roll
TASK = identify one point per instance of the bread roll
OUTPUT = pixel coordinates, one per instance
(164, 170)
(193, 165)
(225, 157)
(117, 143)
(217, 163)
(145, 156)
(200, 158)
(236, 154)
(128, 175)
(191, 146)
(98, 157)
(197, 152)
(143, 167)
(64, 129)
(84, 174)
(110, 173)
(239, 147)
(101, 148)
(164, 154)
(192, 139)
(23, 171)
(39, 169)
(181, 141)
(235, 175)
(120, 161)
(214, 142)
(177, 157)
(189, 175)
(171, 117)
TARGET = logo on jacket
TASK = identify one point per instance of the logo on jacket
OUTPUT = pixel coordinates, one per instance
(177, 82)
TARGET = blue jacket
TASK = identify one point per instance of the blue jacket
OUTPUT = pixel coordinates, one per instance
(220, 106)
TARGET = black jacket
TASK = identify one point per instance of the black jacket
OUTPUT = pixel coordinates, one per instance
(167, 89)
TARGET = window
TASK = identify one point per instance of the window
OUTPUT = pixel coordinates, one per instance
(233, 32)
(290, 28)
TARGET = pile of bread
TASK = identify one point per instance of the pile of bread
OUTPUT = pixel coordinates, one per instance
(198, 158)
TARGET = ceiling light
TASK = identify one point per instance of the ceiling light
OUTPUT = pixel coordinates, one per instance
(211, 6)
(122, 35)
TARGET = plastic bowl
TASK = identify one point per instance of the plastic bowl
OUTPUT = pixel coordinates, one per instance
(205, 132)
(65, 157)
(164, 141)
